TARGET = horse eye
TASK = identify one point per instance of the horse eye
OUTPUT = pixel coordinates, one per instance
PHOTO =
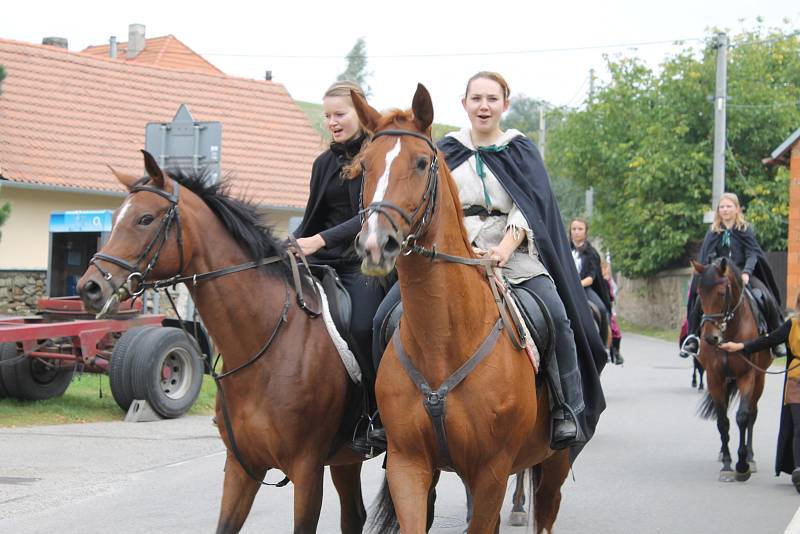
(145, 220)
(422, 163)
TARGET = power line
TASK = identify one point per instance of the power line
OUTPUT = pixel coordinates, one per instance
(459, 54)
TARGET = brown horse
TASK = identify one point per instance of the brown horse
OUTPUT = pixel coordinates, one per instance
(728, 316)
(491, 421)
(284, 395)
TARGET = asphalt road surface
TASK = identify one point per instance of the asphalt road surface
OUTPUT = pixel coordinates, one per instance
(651, 468)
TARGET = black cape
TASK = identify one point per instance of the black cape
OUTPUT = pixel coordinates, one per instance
(784, 456)
(590, 266)
(746, 254)
(521, 171)
(340, 238)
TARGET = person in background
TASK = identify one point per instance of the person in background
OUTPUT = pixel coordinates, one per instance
(732, 237)
(587, 263)
(787, 459)
(616, 333)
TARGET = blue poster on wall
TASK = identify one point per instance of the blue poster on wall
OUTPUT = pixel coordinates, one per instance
(80, 221)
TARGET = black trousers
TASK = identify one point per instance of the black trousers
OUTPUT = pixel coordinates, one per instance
(366, 294)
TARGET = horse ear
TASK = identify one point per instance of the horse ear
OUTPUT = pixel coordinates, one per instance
(699, 268)
(423, 108)
(368, 115)
(153, 170)
(125, 179)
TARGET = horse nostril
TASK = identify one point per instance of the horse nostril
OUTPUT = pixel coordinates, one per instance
(392, 246)
(92, 291)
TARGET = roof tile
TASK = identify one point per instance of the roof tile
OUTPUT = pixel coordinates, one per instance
(65, 116)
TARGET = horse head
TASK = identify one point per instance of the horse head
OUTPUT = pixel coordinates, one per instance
(400, 179)
(720, 293)
(146, 239)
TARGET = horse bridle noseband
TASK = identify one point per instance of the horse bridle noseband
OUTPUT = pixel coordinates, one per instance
(428, 200)
(721, 319)
(136, 275)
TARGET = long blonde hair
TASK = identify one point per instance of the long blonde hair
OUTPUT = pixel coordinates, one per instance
(342, 88)
(739, 223)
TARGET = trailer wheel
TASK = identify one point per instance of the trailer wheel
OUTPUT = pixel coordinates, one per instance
(7, 351)
(120, 368)
(168, 372)
(35, 378)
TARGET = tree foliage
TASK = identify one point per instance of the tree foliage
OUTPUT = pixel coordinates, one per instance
(356, 70)
(645, 142)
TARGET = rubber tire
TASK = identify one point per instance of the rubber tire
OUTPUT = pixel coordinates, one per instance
(175, 396)
(120, 368)
(25, 379)
(8, 350)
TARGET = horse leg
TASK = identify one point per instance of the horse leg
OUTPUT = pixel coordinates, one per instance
(347, 480)
(488, 490)
(432, 499)
(409, 484)
(694, 376)
(701, 371)
(548, 495)
(307, 477)
(743, 422)
(750, 455)
(518, 517)
(724, 426)
(238, 492)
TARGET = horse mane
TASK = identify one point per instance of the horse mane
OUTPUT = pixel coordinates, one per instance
(241, 217)
(452, 189)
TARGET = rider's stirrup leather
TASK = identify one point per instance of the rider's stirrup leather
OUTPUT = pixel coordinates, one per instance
(690, 346)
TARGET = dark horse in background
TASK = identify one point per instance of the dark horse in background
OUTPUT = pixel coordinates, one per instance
(728, 316)
(284, 396)
(496, 423)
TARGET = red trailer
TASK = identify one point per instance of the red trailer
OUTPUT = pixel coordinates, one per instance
(144, 359)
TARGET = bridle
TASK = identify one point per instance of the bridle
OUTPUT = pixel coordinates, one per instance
(426, 205)
(136, 275)
(721, 319)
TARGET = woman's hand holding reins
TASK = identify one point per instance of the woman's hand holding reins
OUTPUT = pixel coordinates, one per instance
(745, 278)
(309, 245)
(731, 346)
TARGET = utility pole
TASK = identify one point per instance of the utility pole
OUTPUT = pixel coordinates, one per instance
(720, 100)
(542, 128)
(589, 199)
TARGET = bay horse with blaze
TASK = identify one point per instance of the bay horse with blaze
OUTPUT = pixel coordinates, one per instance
(487, 419)
(728, 316)
(284, 395)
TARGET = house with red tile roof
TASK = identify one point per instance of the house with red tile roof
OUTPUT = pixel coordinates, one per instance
(65, 117)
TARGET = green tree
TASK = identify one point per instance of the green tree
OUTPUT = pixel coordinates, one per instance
(356, 70)
(645, 142)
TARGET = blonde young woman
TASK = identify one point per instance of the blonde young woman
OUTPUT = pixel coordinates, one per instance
(732, 237)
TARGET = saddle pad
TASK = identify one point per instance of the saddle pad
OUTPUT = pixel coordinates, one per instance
(348, 358)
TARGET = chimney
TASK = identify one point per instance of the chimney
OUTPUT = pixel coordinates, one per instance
(135, 40)
(112, 46)
(58, 42)
(268, 76)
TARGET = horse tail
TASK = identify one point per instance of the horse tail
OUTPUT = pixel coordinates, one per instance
(708, 408)
(383, 516)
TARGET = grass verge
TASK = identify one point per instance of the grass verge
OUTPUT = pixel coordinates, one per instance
(87, 400)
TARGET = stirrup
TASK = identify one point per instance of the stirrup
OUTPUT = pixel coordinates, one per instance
(685, 352)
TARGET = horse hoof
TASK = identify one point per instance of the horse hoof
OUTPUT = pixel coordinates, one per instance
(727, 476)
(700, 387)
(518, 519)
(743, 477)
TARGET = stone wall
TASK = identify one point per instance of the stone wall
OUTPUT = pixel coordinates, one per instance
(655, 302)
(19, 291)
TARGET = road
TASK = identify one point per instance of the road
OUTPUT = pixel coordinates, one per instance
(651, 468)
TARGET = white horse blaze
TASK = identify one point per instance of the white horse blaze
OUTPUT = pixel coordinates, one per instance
(122, 211)
(383, 183)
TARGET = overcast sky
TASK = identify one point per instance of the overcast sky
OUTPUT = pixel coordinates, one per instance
(544, 49)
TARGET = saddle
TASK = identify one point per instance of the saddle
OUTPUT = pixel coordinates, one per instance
(339, 303)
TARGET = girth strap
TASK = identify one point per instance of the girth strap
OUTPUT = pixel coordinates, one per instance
(434, 401)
